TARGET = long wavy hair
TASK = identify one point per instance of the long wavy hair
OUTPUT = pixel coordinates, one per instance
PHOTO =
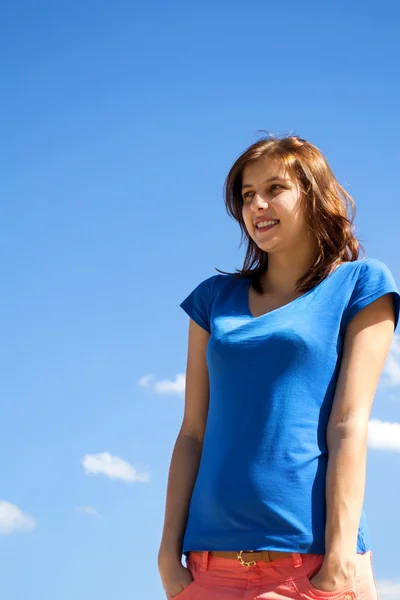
(329, 210)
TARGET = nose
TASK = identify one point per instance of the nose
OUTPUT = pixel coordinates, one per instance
(259, 203)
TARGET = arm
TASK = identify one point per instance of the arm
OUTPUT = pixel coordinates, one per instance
(185, 463)
(366, 345)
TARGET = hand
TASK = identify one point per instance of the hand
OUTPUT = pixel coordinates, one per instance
(174, 576)
(334, 576)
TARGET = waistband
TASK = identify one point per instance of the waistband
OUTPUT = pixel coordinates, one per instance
(244, 559)
(249, 558)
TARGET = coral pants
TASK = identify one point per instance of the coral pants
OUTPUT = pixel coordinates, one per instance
(281, 579)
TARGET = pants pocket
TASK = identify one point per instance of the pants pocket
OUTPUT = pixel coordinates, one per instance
(309, 592)
(188, 593)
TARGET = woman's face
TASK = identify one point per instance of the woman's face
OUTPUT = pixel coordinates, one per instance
(272, 199)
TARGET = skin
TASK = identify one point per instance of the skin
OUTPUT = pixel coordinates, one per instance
(291, 247)
(184, 464)
(292, 250)
(366, 346)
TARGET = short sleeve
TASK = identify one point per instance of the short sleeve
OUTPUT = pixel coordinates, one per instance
(374, 280)
(199, 302)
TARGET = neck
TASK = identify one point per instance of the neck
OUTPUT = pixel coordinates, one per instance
(285, 269)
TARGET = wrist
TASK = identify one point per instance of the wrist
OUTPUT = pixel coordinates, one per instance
(333, 560)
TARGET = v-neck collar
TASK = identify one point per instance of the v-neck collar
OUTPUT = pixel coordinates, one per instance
(247, 282)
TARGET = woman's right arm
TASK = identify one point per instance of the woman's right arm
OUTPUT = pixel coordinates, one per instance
(185, 463)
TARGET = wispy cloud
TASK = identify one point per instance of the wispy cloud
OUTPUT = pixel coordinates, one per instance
(146, 381)
(13, 519)
(90, 511)
(391, 370)
(384, 435)
(113, 467)
(166, 386)
(388, 590)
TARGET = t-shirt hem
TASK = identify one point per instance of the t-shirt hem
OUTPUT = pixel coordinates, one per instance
(303, 545)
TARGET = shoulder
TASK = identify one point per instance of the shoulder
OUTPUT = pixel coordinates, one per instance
(208, 289)
(364, 270)
(373, 265)
(371, 271)
(199, 303)
(214, 284)
(371, 279)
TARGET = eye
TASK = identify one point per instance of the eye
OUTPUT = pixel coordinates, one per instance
(246, 195)
(275, 185)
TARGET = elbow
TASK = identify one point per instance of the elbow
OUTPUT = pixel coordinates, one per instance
(192, 436)
(350, 430)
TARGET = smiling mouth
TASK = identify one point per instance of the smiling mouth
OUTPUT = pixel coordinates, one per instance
(266, 225)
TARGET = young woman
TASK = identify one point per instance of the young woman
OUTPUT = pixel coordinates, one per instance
(266, 484)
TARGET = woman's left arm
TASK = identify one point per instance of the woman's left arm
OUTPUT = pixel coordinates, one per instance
(367, 341)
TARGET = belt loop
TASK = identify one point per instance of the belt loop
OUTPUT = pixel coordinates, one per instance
(204, 561)
(297, 560)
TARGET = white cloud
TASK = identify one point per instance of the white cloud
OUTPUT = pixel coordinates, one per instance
(90, 511)
(146, 381)
(12, 518)
(391, 369)
(384, 435)
(388, 590)
(166, 386)
(112, 466)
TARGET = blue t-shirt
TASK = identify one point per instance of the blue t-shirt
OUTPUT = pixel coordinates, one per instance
(262, 475)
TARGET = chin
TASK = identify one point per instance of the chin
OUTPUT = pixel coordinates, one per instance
(268, 247)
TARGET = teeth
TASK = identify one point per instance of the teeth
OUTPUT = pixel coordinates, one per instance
(266, 223)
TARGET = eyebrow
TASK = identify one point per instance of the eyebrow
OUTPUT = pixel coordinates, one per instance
(248, 185)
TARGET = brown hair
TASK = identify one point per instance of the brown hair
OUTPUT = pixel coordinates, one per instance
(329, 209)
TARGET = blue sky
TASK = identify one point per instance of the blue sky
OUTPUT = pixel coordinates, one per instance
(120, 121)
